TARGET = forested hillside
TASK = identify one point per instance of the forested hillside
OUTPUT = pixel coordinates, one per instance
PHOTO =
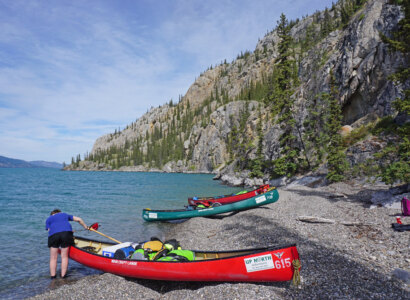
(327, 93)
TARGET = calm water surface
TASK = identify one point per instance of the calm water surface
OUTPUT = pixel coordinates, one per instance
(113, 199)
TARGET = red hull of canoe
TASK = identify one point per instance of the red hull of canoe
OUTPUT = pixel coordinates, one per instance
(240, 268)
(229, 198)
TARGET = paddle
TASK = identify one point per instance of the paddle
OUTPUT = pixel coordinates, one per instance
(94, 228)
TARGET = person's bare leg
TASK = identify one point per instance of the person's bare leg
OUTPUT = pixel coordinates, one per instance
(53, 261)
(64, 261)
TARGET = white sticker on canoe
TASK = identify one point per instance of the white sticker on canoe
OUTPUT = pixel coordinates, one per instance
(206, 209)
(152, 215)
(259, 263)
(260, 199)
(123, 262)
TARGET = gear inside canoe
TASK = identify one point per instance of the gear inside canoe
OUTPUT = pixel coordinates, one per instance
(96, 247)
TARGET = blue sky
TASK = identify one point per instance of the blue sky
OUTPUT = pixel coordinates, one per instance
(71, 71)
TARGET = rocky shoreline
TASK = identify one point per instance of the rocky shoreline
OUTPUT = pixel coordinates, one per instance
(350, 252)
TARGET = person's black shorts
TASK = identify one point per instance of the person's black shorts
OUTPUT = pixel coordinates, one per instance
(61, 239)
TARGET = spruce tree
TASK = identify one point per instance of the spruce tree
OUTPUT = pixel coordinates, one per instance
(326, 26)
(284, 80)
(242, 148)
(396, 166)
(257, 164)
(337, 163)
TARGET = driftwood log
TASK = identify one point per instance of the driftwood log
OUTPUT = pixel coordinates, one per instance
(312, 219)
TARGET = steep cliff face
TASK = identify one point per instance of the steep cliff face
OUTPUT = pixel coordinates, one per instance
(210, 143)
(220, 122)
(360, 61)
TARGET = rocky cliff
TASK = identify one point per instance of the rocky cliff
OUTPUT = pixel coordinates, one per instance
(214, 126)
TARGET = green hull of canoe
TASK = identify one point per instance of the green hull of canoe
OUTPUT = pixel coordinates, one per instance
(166, 215)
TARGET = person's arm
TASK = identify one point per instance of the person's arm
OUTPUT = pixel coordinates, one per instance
(79, 220)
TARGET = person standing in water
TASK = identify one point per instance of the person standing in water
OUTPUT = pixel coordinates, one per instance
(60, 235)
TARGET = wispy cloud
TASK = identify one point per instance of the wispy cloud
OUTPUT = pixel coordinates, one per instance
(71, 71)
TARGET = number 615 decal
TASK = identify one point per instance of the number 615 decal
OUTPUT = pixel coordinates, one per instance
(282, 263)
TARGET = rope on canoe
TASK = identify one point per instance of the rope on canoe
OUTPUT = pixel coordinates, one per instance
(296, 273)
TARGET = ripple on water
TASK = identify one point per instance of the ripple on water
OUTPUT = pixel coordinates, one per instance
(114, 199)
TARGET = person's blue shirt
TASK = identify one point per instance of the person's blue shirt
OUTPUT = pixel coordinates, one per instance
(59, 223)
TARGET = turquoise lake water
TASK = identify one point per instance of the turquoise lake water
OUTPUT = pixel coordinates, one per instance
(113, 199)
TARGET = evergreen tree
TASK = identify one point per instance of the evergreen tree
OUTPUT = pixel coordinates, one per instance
(326, 26)
(396, 166)
(346, 11)
(243, 147)
(257, 164)
(316, 136)
(285, 79)
(233, 138)
(309, 39)
(337, 163)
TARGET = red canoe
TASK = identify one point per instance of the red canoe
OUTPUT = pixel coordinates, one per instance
(251, 265)
(209, 201)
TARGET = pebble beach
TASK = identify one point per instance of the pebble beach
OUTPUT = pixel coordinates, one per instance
(350, 252)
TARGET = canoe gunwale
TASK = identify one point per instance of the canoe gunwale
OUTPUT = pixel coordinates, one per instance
(218, 198)
(164, 210)
(250, 251)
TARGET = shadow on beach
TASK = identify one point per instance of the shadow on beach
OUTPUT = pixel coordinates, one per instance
(326, 272)
(362, 197)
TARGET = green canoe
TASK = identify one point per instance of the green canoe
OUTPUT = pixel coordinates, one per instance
(166, 215)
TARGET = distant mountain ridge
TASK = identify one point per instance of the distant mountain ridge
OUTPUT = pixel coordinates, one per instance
(6, 162)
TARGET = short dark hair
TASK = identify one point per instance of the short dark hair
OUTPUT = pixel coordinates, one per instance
(56, 211)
